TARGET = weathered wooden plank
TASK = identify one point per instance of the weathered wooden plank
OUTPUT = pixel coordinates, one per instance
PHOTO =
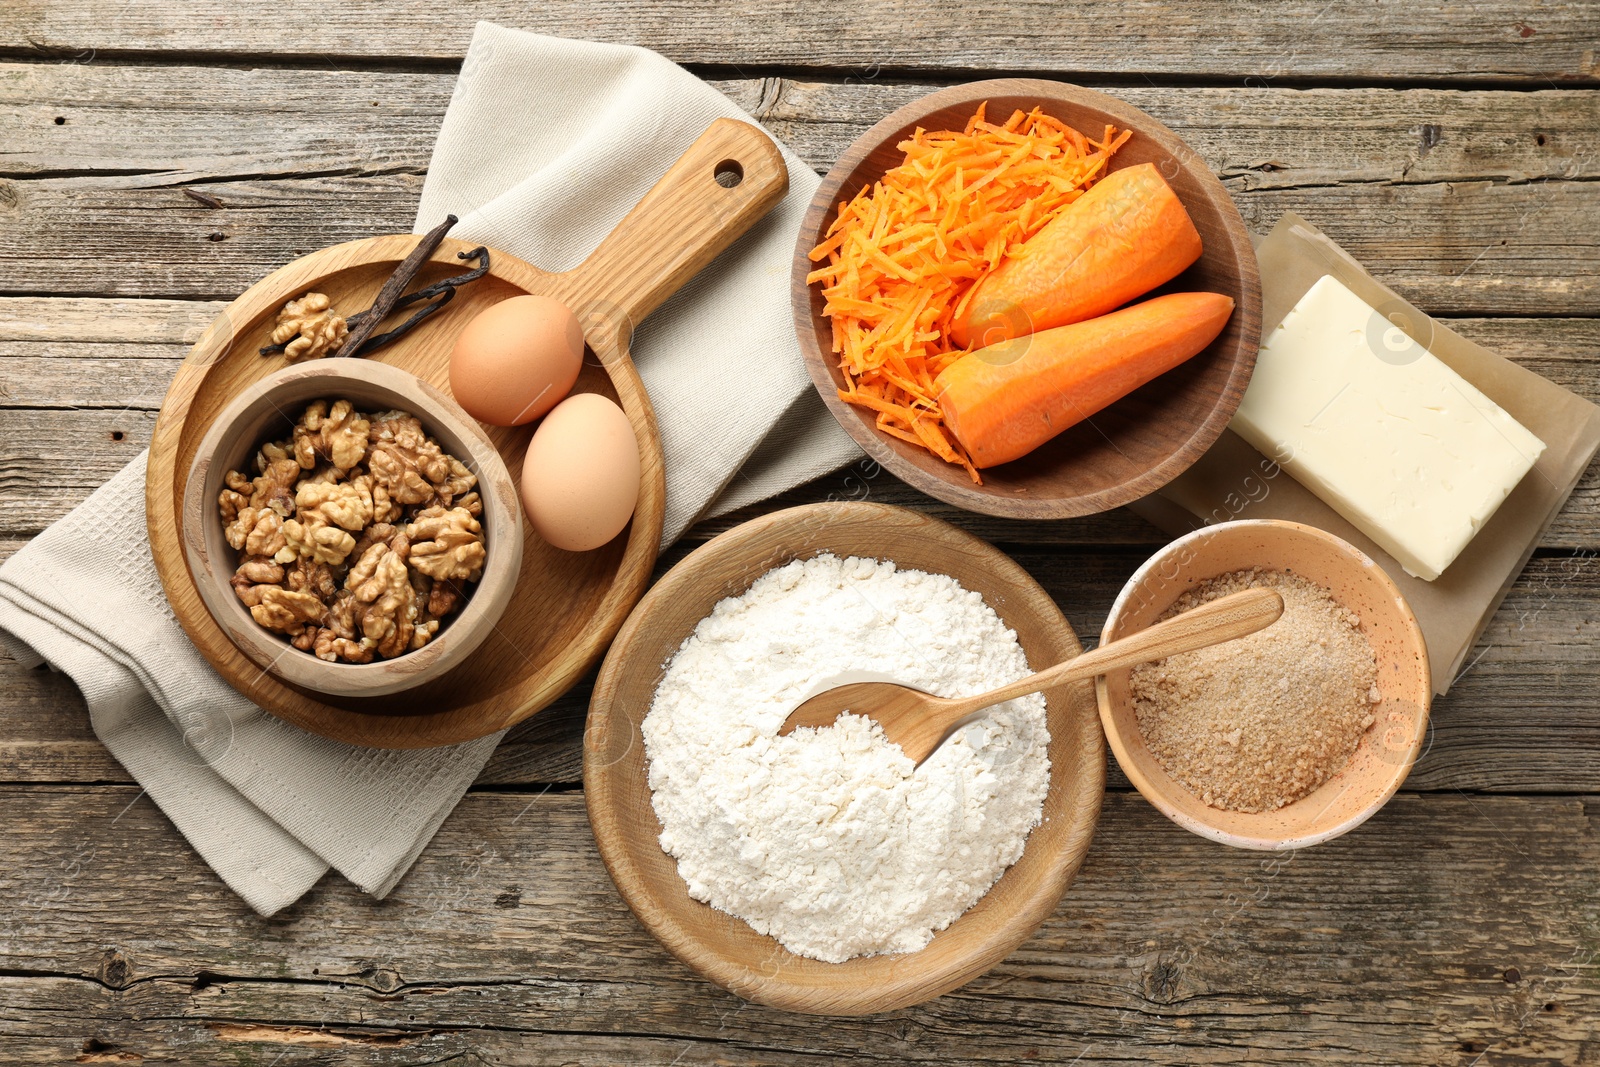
(1470, 248)
(97, 376)
(1469, 933)
(1537, 658)
(1267, 136)
(87, 352)
(217, 121)
(1535, 42)
(51, 460)
(188, 248)
(45, 735)
(88, 320)
(191, 123)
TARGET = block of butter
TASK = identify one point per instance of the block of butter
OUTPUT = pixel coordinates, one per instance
(1402, 446)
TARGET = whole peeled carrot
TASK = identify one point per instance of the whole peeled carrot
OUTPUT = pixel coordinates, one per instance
(1004, 401)
(1128, 234)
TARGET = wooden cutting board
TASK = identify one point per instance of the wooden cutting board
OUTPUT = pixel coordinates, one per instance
(567, 606)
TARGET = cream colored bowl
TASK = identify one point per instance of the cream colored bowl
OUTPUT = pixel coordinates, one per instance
(1387, 750)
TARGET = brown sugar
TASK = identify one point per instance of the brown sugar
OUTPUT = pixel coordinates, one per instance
(1253, 724)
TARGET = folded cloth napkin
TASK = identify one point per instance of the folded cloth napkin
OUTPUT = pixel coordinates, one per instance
(546, 145)
(267, 804)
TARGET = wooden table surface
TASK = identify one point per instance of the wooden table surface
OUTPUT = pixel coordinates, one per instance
(157, 158)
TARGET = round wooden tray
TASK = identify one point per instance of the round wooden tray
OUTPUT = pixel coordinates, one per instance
(567, 605)
(726, 950)
(1124, 451)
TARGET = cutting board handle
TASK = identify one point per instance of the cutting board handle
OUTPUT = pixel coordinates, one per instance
(688, 217)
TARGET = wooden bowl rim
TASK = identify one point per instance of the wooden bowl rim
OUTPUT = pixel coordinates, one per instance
(890, 982)
(460, 636)
(964, 494)
(1158, 796)
(425, 729)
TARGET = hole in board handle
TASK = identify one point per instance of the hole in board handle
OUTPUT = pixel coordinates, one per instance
(729, 173)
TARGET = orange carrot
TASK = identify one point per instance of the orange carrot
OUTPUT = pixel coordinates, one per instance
(900, 256)
(1118, 241)
(1004, 401)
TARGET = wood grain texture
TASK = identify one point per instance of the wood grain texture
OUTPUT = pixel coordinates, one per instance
(1448, 929)
(1260, 136)
(1533, 42)
(726, 950)
(1383, 172)
(1472, 248)
(1124, 451)
(183, 123)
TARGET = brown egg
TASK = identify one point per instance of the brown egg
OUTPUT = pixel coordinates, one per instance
(516, 360)
(580, 478)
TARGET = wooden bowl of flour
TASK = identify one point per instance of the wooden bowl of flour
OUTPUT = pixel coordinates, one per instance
(725, 949)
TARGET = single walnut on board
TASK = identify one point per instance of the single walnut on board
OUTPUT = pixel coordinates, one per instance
(309, 328)
(357, 536)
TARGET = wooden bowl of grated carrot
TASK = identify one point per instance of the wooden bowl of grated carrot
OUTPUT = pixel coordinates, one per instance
(927, 204)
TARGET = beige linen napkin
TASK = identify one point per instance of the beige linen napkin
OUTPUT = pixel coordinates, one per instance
(269, 806)
(546, 145)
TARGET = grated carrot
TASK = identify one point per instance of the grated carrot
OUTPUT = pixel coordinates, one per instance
(902, 256)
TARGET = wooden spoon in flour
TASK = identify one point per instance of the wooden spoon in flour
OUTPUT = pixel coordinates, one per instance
(920, 722)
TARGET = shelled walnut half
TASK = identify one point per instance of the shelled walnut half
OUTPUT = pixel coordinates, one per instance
(309, 328)
(358, 535)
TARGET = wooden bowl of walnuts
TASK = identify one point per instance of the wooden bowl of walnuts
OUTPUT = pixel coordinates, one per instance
(352, 530)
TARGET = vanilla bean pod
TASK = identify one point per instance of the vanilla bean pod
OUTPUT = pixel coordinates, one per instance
(392, 295)
(444, 290)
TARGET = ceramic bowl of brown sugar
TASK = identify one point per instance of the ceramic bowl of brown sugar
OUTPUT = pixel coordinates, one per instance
(1355, 787)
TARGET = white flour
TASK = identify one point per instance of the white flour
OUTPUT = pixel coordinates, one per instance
(825, 839)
